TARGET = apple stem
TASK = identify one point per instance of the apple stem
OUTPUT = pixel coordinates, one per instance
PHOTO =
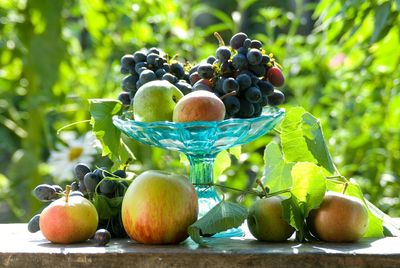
(219, 38)
(233, 93)
(67, 191)
(259, 183)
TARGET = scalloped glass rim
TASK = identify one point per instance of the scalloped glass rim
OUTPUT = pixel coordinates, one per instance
(200, 137)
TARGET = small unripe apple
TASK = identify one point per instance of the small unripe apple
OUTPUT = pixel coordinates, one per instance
(199, 105)
(158, 207)
(340, 218)
(70, 219)
(266, 222)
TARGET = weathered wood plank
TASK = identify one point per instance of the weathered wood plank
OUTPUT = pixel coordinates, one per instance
(19, 248)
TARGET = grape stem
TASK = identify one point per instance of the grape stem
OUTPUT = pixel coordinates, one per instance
(259, 183)
(219, 38)
(72, 124)
(233, 93)
(247, 191)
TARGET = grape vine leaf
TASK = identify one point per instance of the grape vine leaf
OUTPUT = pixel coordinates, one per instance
(375, 222)
(308, 190)
(302, 139)
(222, 162)
(102, 111)
(107, 207)
(277, 173)
(225, 215)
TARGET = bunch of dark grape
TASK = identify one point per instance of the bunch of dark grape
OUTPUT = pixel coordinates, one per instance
(243, 75)
(100, 181)
(145, 66)
(88, 183)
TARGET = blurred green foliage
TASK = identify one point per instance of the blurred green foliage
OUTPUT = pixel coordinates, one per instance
(340, 58)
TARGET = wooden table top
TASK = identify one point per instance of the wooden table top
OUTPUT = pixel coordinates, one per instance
(19, 248)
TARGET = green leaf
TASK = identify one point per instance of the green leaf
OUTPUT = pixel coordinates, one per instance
(225, 215)
(222, 162)
(302, 139)
(382, 13)
(309, 185)
(107, 207)
(307, 192)
(277, 173)
(375, 222)
(236, 151)
(102, 111)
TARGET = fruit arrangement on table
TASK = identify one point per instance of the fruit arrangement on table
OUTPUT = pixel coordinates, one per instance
(237, 87)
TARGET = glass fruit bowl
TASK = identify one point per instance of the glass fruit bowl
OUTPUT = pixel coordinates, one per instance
(201, 141)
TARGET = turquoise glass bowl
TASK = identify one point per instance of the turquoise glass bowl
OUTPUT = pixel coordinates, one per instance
(201, 141)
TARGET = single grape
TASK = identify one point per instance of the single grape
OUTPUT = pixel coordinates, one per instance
(58, 188)
(239, 61)
(139, 67)
(177, 69)
(194, 77)
(91, 180)
(265, 59)
(254, 80)
(127, 61)
(120, 173)
(223, 54)
(219, 85)
(138, 85)
(257, 70)
(264, 100)
(124, 70)
(257, 109)
(152, 58)
(244, 81)
(147, 76)
(254, 57)
(139, 56)
(193, 69)
(210, 59)
(242, 50)
(266, 87)
(237, 40)
(202, 84)
(166, 67)
(45, 192)
(184, 87)
(205, 71)
(276, 98)
(33, 224)
(74, 186)
(154, 50)
(246, 109)
(230, 85)
(125, 98)
(129, 82)
(247, 43)
(82, 187)
(227, 68)
(253, 94)
(121, 189)
(256, 44)
(232, 105)
(107, 186)
(160, 72)
(170, 78)
(80, 170)
(102, 237)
